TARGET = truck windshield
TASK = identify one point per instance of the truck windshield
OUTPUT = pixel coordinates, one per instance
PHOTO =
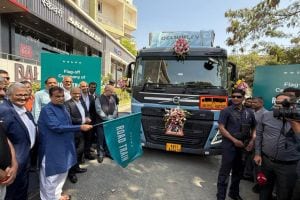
(200, 73)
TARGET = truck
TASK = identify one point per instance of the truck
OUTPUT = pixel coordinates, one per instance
(192, 83)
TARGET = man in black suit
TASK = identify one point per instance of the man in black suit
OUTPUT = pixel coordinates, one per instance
(90, 105)
(79, 115)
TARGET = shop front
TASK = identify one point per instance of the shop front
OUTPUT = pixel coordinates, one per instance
(58, 26)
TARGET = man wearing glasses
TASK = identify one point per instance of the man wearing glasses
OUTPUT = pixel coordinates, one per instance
(4, 75)
(21, 131)
(237, 126)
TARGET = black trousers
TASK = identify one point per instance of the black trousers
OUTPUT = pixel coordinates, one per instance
(296, 192)
(282, 175)
(79, 145)
(19, 188)
(231, 161)
(88, 136)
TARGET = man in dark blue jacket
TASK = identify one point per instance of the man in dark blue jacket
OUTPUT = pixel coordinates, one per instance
(21, 131)
(237, 126)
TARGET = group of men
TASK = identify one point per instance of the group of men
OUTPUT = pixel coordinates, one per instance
(53, 129)
(273, 139)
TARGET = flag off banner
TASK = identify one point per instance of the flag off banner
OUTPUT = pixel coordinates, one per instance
(122, 136)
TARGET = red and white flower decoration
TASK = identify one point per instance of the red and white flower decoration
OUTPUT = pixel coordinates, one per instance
(175, 119)
(181, 48)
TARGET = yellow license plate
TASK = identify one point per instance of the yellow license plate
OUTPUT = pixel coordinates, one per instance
(173, 147)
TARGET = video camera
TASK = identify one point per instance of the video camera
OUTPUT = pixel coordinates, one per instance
(289, 110)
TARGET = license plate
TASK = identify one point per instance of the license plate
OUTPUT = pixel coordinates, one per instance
(173, 147)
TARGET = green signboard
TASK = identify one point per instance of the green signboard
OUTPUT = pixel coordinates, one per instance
(271, 80)
(80, 68)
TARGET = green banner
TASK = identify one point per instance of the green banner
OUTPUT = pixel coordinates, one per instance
(80, 68)
(271, 80)
(122, 136)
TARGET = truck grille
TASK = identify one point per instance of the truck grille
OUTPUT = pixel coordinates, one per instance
(196, 130)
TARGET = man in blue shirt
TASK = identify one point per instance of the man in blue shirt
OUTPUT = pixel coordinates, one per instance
(41, 98)
(237, 126)
(57, 149)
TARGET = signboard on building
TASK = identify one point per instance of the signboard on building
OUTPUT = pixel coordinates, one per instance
(20, 71)
(80, 68)
(271, 80)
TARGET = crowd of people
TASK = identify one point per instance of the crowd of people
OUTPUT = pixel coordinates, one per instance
(35, 129)
(260, 145)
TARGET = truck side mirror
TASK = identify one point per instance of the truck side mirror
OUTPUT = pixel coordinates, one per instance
(129, 69)
(233, 73)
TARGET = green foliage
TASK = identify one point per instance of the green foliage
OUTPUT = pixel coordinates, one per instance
(123, 95)
(273, 55)
(36, 86)
(246, 65)
(105, 79)
(265, 20)
(129, 44)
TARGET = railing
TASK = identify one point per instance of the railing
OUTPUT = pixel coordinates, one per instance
(18, 58)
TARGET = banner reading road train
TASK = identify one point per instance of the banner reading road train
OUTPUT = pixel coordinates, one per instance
(80, 68)
(122, 136)
(271, 80)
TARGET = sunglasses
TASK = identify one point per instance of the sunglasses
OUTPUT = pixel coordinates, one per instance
(238, 97)
(7, 78)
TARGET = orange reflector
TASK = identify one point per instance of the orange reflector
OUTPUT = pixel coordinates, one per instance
(213, 102)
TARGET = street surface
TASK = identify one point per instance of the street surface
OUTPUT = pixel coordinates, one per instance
(157, 175)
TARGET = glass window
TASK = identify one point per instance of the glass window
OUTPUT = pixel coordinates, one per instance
(197, 72)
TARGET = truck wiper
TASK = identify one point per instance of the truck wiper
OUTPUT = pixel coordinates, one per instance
(154, 87)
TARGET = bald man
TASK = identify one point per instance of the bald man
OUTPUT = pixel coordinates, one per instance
(106, 109)
(79, 115)
(67, 85)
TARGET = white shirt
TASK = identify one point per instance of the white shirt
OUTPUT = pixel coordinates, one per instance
(28, 123)
(67, 94)
(81, 110)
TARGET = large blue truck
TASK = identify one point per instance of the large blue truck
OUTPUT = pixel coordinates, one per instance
(196, 82)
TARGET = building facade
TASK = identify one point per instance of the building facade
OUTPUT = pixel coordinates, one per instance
(59, 26)
(118, 17)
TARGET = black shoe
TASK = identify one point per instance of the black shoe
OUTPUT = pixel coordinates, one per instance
(90, 157)
(100, 156)
(73, 178)
(237, 197)
(80, 170)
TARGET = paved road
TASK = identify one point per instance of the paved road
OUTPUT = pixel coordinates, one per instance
(157, 175)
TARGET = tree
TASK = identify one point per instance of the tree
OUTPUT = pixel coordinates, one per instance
(264, 20)
(129, 44)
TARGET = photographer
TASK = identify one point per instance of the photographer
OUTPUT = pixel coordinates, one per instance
(276, 151)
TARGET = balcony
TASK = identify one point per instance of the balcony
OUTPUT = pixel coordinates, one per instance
(107, 21)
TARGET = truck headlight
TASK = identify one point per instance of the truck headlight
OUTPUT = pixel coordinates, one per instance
(217, 139)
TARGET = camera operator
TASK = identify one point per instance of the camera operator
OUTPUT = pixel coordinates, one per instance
(276, 152)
